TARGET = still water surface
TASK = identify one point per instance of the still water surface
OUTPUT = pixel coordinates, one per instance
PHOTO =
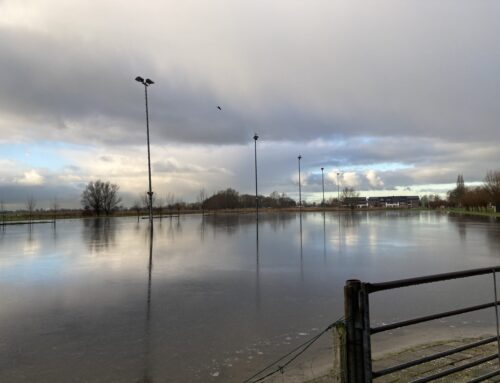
(215, 298)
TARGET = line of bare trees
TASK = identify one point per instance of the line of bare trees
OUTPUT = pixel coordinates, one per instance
(476, 198)
(161, 205)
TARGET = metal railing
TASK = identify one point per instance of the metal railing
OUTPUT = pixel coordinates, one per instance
(359, 331)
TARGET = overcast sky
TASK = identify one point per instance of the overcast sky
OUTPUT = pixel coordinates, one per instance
(399, 96)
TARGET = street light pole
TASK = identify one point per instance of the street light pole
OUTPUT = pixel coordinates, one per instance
(146, 83)
(256, 137)
(323, 184)
(300, 190)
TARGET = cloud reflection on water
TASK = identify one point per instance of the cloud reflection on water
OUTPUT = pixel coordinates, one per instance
(127, 299)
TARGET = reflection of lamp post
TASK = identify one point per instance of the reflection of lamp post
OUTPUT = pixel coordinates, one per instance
(323, 184)
(146, 83)
(256, 137)
(148, 311)
(300, 191)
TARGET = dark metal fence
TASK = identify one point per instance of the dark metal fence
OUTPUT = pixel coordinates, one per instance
(359, 331)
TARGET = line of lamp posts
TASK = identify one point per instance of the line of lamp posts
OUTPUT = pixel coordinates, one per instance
(147, 82)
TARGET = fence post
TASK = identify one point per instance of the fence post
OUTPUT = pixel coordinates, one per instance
(339, 353)
(357, 317)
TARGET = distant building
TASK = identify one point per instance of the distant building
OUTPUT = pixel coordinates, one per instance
(413, 201)
(389, 201)
(358, 202)
(394, 201)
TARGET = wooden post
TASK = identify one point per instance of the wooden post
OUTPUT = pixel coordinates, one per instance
(358, 348)
(339, 353)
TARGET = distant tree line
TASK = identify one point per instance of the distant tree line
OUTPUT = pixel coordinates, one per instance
(101, 197)
(231, 199)
(476, 198)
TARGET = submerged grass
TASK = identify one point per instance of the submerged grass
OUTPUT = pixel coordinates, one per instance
(433, 367)
(487, 213)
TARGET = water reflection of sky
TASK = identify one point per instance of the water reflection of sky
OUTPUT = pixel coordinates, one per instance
(212, 297)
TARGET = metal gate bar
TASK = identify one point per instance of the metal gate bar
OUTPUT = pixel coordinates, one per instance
(392, 326)
(374, 287)
(359, 331)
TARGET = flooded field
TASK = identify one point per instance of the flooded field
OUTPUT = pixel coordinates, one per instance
(215, 298)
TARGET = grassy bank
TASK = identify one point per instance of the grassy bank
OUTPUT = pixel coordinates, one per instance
(483, 213)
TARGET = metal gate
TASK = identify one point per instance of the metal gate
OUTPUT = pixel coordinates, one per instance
(358, 361)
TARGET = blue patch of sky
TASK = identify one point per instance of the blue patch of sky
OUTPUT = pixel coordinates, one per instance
(45, 154)
(368, 140)
(380, 167)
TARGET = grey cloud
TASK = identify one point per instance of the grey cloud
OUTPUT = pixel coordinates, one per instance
(15, 195)
(168, 166)
(422, 162)
(403, 79)
(411, 83)
(88, 93)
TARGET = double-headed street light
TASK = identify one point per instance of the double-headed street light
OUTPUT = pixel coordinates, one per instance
(300, 190)
(147, 83)
(256, 137)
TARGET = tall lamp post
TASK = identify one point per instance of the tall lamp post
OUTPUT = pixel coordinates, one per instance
(300, 187)
(323, 184)
(256, 137)
(147, 83)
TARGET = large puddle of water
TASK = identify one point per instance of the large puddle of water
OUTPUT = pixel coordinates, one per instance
(215, 298)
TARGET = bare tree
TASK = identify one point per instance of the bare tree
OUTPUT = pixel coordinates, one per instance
(101, 197)
(476, 199)
(332, 201)
(178, 204)
(111, 198)
(160, 204)
(424, 201)
(455, 196)
(348, 192)
(30, 207)
(170, 200)
(201, 197)
(492, 185)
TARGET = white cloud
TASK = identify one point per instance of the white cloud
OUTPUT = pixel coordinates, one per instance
(374, 179)
(31, 177)
(350, 179)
